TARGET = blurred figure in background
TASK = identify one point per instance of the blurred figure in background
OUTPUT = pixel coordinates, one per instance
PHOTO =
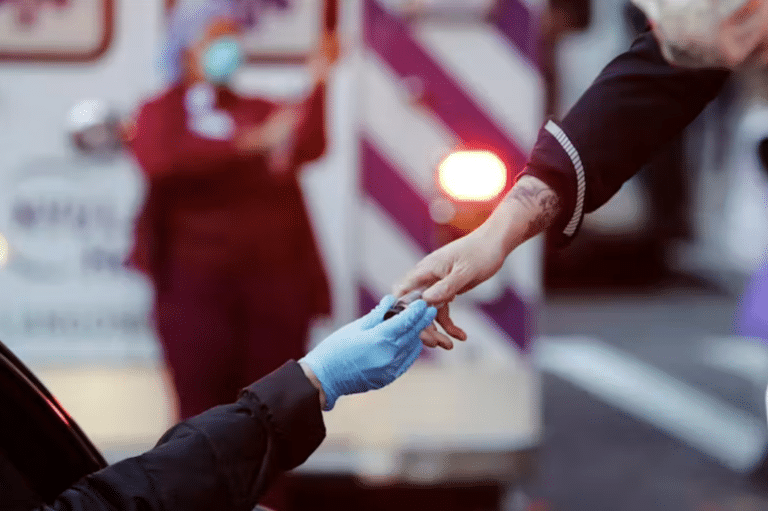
(224, 233)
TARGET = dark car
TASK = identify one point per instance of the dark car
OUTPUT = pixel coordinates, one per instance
(42, 450)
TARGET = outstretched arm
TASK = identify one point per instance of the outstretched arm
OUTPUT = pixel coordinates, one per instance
(638, 104)
(226, 457)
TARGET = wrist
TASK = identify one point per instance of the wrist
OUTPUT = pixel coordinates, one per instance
(312, 377)
(529, 208)
(504, 230)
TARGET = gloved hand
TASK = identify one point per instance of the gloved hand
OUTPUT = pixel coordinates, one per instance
(369, 353)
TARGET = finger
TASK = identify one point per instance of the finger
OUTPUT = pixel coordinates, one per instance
(427, 337)
(432, 338)
(445, 321)
(376, 316)
(402, 323)
(446, 289)
(429, 343)
(415, 279)
(442, 340)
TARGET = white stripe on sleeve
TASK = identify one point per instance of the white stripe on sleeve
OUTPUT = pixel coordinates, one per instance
(581, 183)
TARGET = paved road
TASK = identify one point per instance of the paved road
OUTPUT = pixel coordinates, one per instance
(597, 457)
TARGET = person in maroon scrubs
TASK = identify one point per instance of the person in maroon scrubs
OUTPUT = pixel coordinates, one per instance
(224, 234)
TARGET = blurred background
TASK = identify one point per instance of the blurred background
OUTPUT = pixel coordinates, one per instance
(620, 373)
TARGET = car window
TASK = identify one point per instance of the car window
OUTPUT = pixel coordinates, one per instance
(39, 442)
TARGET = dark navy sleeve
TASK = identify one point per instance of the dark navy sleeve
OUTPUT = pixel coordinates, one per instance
(223, 459)
(637, 105)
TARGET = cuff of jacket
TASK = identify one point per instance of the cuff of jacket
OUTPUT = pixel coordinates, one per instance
(556, 162)
(292, 407)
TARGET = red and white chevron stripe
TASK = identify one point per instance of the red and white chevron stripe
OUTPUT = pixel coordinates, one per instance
(427, 89)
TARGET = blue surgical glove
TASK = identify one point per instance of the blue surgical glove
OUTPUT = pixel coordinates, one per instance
(370, 352)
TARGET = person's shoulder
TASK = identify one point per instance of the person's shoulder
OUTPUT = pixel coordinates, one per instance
(159, 106)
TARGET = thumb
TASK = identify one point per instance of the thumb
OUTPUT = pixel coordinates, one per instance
(445, 290)
(376, 316)
(405, 321)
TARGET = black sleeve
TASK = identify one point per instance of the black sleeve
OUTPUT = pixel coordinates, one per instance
(636, 105)
(223, 459)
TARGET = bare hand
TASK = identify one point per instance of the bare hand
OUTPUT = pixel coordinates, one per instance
(451, 270)
(528, 209)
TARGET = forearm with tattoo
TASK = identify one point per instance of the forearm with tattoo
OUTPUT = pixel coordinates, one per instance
(539, 199)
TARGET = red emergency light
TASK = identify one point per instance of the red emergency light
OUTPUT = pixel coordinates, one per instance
(471, 183)
(474, 176)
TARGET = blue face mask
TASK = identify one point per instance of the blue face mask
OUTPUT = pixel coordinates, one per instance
(221, 59)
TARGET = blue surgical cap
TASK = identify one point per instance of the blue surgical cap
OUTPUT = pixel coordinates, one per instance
(187, 21)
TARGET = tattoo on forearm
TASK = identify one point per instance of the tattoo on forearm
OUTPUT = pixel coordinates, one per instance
(539, 199)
